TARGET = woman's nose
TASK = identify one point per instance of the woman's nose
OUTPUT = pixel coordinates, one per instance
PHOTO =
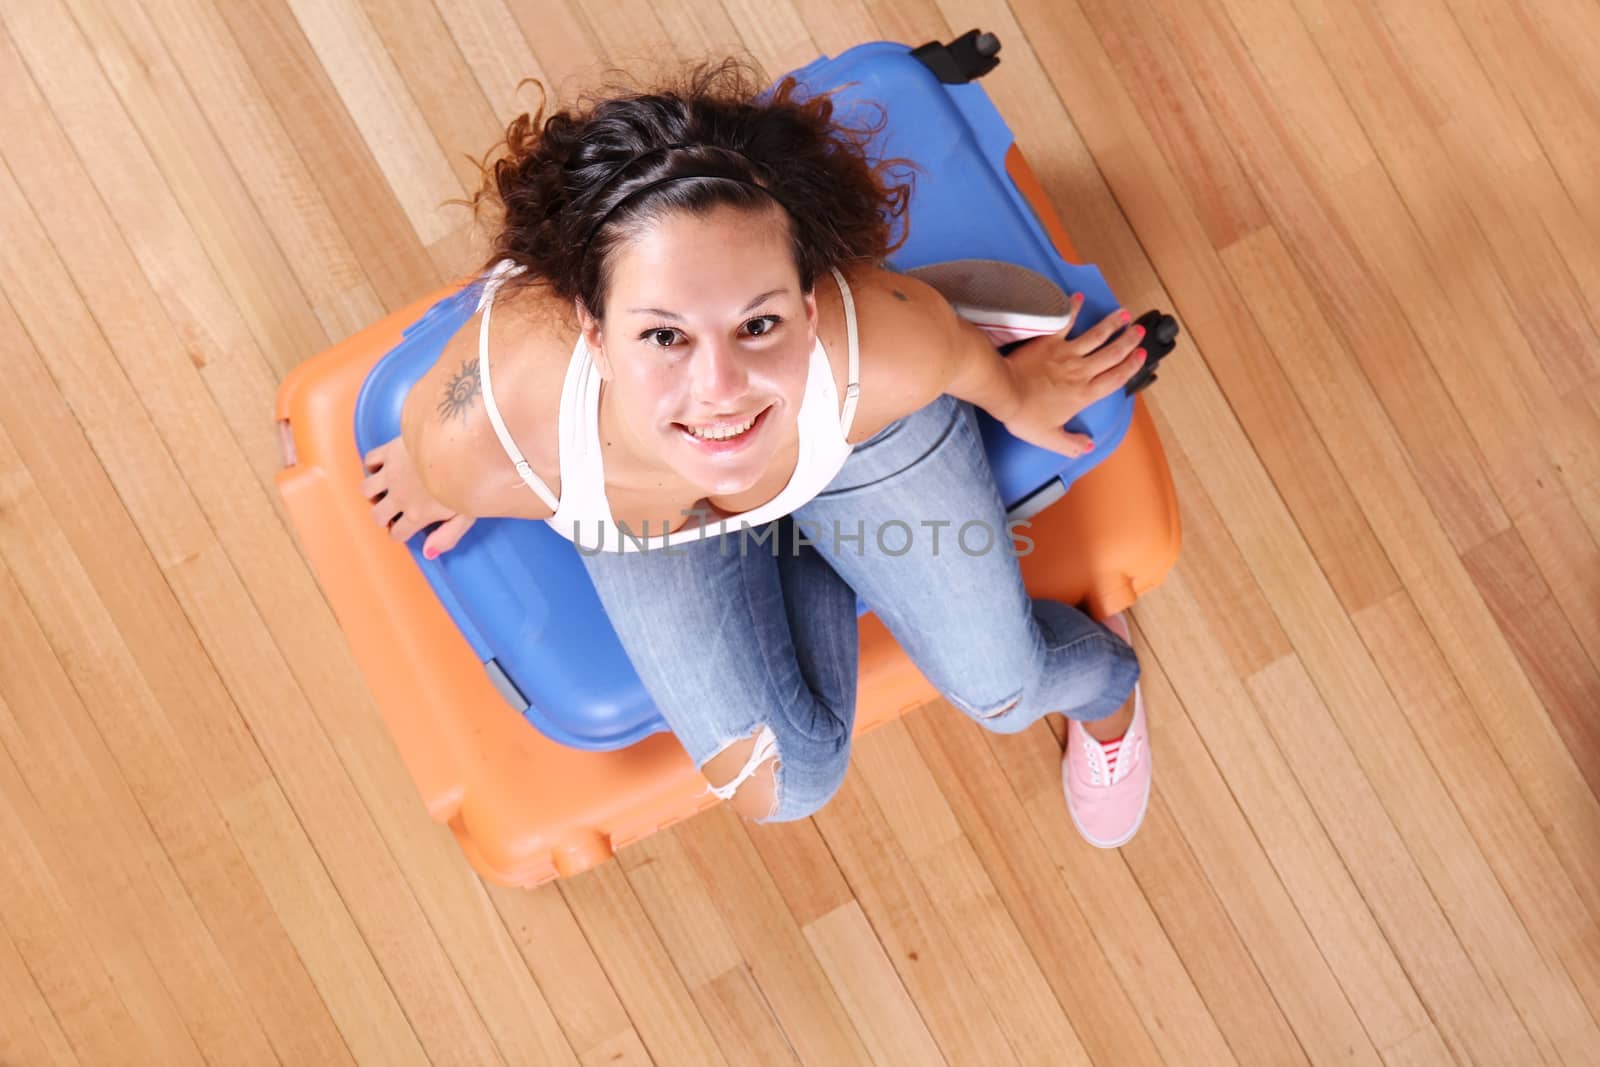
(718, 374)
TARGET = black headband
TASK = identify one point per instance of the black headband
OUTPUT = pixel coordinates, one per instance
(631, 160)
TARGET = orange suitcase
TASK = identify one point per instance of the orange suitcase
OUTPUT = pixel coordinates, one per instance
(526, 809)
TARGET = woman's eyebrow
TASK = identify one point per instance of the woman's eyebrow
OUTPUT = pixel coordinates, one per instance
(661, 313)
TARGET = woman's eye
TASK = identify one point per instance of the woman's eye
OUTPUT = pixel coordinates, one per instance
(661, 338)
(768, 323)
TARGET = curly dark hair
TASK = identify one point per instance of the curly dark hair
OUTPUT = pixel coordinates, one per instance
(574, 186)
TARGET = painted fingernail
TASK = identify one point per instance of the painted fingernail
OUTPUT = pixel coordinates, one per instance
(1141, 353)
(1138, 331)
(1126, 317)
(430, 553)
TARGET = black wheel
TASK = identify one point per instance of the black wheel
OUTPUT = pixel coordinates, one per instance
(965, 59)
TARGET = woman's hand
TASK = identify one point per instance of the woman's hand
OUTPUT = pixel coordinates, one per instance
(1056, 378)
(403, 505)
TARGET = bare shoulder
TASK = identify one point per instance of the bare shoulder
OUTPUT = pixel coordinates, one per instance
(446, 421)
(903, 324)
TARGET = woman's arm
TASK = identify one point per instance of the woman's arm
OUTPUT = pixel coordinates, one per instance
(920, 348)
(976, 372)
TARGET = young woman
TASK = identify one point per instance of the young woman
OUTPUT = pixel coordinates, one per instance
(688, 359)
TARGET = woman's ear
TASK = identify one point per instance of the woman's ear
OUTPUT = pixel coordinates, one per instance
(589, 327)
(810, 301)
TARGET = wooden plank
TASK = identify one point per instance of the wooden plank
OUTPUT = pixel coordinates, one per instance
(1566, 679)
(369, 212)
(49, 167)
(639, 967)
(44, 451)
(383, 110)
(106, 1000)
(1567, 555)
(802, 867)
(1587, 499)
(773, 32)
(1485, 792)
(911, 22)
(1490, 145)
(1502, 387)
(29, 1031)
(1133, 989)
(415, 35)
(1382, 478)
(1499, 373)
(1542, 191)
(1547, 89)
(771, 942)
(526, 1030)
(622, 1048)
(174, 818)
(497, 54)
(1001, 960)
(1418, 868)
(1407, 913)
(1236, 609)
(871, 992)
(1583, 406)
(1381, 335)
(1261, 847)
(632, 37)
(564, 44)
(574, 984)
(999, 957)
(165, 500)
(91, 59)
(76, 810)
(1303, 472)
(1564, 29)
(680, 908)
(699, 32)
(903, 787)
(88, 519)
(916, 941)
(480, 949)
(1151, 72)
(739, 1015)
(308, 902)
(837, 25)
(227, 98)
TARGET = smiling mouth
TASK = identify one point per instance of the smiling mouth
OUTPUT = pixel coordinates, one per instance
(724, 433)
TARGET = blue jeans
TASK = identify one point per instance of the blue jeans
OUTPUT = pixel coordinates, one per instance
(755, 632)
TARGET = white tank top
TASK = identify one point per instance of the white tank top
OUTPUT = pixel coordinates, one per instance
(583, 513)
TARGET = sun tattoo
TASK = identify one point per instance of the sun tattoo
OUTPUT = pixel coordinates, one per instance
(463, 389)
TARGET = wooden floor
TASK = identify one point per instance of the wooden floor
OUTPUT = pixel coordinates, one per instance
(1373, 680)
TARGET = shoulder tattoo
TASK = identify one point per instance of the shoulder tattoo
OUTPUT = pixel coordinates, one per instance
(461, 391)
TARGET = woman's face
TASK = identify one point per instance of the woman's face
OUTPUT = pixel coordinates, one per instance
(706, 344)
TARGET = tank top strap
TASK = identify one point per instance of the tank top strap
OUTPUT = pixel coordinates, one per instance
(524, 468)
(852, 390)
(583, 482)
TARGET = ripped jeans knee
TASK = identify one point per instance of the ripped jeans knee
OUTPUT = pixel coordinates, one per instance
(805, 773)
(1007, 715)
(748, 799)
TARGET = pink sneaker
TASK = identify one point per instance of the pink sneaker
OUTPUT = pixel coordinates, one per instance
(1108, 787)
